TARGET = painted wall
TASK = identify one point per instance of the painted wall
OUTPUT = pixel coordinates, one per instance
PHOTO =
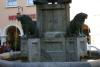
(6, 14)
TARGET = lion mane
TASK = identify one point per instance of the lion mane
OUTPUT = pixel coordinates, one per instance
(75, 26)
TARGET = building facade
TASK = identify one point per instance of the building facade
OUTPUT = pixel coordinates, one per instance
(10, 28)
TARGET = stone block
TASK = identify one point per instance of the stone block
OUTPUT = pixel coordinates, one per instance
(54, 18)
(30, 48)
(34, 49)
(24, 46)
(75, 48)
(55, 48)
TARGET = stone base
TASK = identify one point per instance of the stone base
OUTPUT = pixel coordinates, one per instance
(54, 49)
(64, 49)
(75, 48)
(30, 48)
(49, 64)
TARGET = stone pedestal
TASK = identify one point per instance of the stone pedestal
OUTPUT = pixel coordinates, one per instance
(75, 48)
(30, 48)
(64, 49)
(54, 49)
(53, 18)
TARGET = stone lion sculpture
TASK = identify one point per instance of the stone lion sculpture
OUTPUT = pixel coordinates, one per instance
(29, 27)
(75, 26)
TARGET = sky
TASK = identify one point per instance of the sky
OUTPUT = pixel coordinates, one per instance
(90, 7)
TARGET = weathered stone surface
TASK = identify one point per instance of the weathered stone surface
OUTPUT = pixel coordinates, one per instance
(75, 48)
(55, 48)
(30, 48)
(34, 49)
(53, 18)
(48, 64)
(24, 46)
(54, 34)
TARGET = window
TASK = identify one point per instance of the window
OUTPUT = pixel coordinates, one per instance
(11, 3)
(29, 2)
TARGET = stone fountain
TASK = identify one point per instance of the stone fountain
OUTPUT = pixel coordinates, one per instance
(53, 17)
(52, 48)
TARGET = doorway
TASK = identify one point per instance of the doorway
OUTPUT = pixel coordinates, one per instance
(13, 36)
